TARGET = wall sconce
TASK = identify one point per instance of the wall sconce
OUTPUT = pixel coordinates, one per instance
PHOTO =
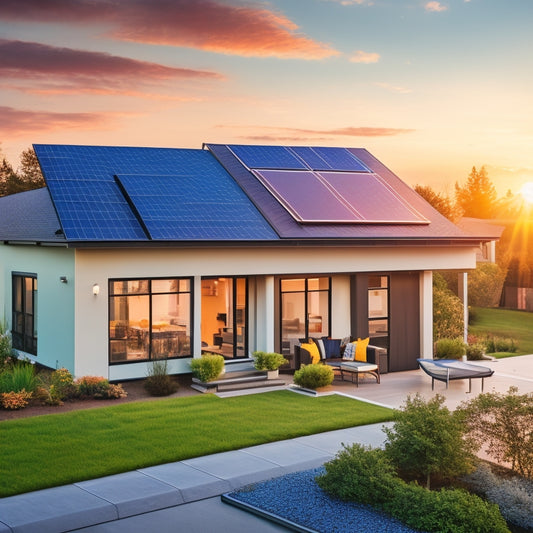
(63, 279)
(96, 289)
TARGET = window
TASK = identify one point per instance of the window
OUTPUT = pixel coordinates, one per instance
(305, 310)
(24, 325)
(378, 310)
(149, 319)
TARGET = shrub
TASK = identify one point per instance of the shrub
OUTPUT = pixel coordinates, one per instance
(499, 344)
(15, 399)
(513, 496)
(17, 377)
(450, 348)
(62, 385)
(503, 422)
(475, 352)
(359, 473)
(427, 439)
(158, 382)
(314, 376)
(208, 367)
(268, 360)
(5, 345)
(485, 285)
(448, 313)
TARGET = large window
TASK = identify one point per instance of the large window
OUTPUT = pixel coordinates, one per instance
(378, 310)
(224, 316)
(149, 319)
(24, 327)
(305, 310)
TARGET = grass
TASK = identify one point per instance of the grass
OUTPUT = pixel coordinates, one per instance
(51, 450)
(506, 323)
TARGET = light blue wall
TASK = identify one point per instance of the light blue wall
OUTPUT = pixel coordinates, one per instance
(55, 300)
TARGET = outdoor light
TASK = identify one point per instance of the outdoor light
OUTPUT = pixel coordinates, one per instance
(63, 279)
(96, 289)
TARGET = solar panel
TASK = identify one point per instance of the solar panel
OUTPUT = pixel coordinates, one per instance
(273, 157)
(322, 158)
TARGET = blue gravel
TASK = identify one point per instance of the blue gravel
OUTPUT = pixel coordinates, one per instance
(297, 497)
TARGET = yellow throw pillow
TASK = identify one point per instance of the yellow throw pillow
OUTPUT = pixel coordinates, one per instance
(312, 348)
(360, 349)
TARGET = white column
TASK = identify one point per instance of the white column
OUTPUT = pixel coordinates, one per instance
(426, 314)
(265, 314)
(462, 289)
(197, 320)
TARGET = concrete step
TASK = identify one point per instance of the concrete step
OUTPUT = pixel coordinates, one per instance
(250, 385)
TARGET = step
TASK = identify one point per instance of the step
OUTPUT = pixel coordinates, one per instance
(250, 385)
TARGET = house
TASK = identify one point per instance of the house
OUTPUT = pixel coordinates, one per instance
(132, 254)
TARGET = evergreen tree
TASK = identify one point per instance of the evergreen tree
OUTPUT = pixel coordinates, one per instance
(29, 171)
(478, 197)
(442, 204)
(9, 182)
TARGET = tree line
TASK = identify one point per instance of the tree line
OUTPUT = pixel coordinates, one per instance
(26, 177)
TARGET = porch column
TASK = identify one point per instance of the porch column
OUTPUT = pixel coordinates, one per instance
(264, 325)
(462, 289)
(197, 319)
(426, 314)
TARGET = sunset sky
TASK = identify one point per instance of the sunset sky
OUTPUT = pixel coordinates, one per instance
(431, 88)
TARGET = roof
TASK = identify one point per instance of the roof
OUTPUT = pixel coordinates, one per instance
(29, 217)
(255, 195)
(481, 228)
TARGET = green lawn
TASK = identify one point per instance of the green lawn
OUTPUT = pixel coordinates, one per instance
(507, 323)
(51, 450)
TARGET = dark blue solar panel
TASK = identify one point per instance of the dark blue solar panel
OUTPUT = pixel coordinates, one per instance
(337, 159)
(272, 157)
(91, 206)
(372, 198)
(195, 207)
(305, 196)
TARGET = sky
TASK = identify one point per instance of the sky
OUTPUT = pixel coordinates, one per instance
(431, 88)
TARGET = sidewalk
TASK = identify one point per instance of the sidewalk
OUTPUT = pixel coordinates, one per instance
(184, 496)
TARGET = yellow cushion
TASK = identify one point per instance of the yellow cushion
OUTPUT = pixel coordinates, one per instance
(312, 348)
(360, 349)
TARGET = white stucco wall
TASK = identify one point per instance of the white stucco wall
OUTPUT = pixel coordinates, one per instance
(98, 265)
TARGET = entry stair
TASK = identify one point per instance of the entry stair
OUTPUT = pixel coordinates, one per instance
(239, 375)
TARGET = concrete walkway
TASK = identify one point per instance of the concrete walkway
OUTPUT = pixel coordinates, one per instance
(184, 496)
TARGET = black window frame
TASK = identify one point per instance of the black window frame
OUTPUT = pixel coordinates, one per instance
(20, 338)
(150, 295)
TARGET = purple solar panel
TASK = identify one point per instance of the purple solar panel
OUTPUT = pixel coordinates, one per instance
(305, 196)
(372, 197)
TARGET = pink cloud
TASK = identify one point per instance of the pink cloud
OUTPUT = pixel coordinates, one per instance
(364, 57)
(16, 122)
(210, 25)
(435, 6)
(64, 70)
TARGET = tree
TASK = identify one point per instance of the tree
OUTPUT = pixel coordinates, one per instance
(485, 285)
(428, 439)
(29, 171)
(442, 204)
(9, 182)
(504, 424)
(448, 321)
(478, 197)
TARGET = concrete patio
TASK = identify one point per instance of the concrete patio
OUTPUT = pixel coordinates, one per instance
(164, 497)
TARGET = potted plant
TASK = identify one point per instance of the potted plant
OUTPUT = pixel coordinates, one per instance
(269, 362)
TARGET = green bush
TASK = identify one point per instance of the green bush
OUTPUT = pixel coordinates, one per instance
(19, 376)
(475, 351)
(361, 474)
(314, 376)
(485, 285)
(500, 344)
(62, 386)
(444, 511)
(208, 367)
(5, 345)
(158, 382)
(450, 348)
(268, 360)
(448, 313)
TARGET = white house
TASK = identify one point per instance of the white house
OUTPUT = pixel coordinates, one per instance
(130, 254)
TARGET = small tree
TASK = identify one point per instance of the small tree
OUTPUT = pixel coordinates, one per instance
(427, 439)
(447, 311)
(485, 285)
(504, 423)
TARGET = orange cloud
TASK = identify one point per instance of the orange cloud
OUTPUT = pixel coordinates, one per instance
(209, 25)
(16, 122)
(435, 6)
(364, 57)
(64, 70)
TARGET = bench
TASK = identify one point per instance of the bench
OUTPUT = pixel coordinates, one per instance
(447, 370)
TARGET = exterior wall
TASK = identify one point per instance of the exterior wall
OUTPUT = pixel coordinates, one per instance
(55, 300)
(98, 265)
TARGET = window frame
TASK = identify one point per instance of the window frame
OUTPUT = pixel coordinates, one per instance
(150, 295)
(20, 339)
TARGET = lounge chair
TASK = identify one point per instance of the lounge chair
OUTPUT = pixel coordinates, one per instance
(447, 370)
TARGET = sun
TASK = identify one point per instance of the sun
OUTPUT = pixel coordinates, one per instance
(527, 192)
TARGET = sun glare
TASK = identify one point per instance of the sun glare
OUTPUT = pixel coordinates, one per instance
(527, 192)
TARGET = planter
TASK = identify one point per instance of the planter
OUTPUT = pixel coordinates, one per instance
(272, 374)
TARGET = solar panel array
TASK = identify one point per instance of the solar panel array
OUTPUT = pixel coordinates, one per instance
(321, 185)
(184, 194)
